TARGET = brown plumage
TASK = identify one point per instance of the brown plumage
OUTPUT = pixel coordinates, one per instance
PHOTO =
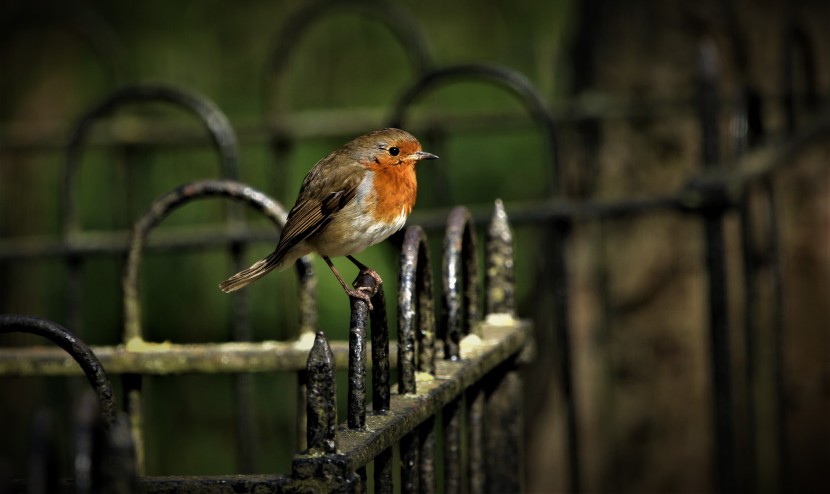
(355, 197)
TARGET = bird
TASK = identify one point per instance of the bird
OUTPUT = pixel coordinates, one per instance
(355, 197)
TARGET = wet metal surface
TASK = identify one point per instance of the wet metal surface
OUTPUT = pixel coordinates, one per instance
(459, 310)
(358, 447)
(75, 348)
(321, 401)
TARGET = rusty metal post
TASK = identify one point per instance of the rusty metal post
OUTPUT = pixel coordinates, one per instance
(380, 354)
(724, 458)
(459, 315)
(416, 352)
(500, 276)
(476, 446)
(381, 392)
(503, 415)
(460, 308)
(321, 405)
(453, 470)
(504, 429)
(74, 346)
(356, 418)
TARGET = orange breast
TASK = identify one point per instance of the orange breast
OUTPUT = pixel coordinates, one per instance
(395, 190)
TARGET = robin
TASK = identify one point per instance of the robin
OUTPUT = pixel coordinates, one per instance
(353, 198)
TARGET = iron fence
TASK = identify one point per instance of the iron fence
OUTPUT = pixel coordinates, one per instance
(480, 369)
(474, 391)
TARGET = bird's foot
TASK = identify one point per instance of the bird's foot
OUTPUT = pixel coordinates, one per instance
(371, 272)
(364, 293)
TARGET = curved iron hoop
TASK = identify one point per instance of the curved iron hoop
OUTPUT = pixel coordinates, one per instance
(503, 77)
(221, 131)
(415, 309)
(74, 346)
(86, 24)
(391, 15)
(459, 311)
(166, 204)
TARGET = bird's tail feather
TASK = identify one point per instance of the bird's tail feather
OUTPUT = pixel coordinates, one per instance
(255, 272)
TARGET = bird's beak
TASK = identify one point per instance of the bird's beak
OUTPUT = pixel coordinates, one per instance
(422, 155)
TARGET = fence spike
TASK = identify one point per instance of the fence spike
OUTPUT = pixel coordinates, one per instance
(500, 277)
(321, 405)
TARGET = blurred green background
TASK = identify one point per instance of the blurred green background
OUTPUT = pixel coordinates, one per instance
(620, 77)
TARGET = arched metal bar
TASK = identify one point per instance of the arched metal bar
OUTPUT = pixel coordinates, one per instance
(400, 22)
(159, 210)
(221, 131)
(416, 316)
(505, 78)
(166, 204)
(74, 346)
(460, 309)
(85, 23)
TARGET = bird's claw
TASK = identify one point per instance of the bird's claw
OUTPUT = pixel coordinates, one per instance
(375, 276)
(364, 293)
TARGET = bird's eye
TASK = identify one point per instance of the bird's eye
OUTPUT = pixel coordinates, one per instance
(394, 151)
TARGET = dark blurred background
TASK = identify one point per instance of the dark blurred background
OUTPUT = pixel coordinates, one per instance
(621, 78)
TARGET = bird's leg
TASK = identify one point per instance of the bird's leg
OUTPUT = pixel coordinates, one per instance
(364, 269)
(351, 292)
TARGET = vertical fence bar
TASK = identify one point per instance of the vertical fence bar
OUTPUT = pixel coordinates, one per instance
(778, 341)
(414, 314)
(246, 434)
(380, 353)
(42, 474)
(500, 277)
(426, 455)
(746, 128)
(751, 303)
(716, 266)
(451, 417)
(356, 418)
(476, 456)
(504, 429)
(307, 297)
(503, 414)
(459, 315)
(381, 386)
(796, 40)
(321, 404)
(416, 352)
(556, 273)
(118, 475)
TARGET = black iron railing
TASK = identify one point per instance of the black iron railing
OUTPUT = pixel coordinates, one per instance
(479, 387)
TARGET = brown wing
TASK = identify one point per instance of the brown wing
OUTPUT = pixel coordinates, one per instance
(325, 191)
(322, 195)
